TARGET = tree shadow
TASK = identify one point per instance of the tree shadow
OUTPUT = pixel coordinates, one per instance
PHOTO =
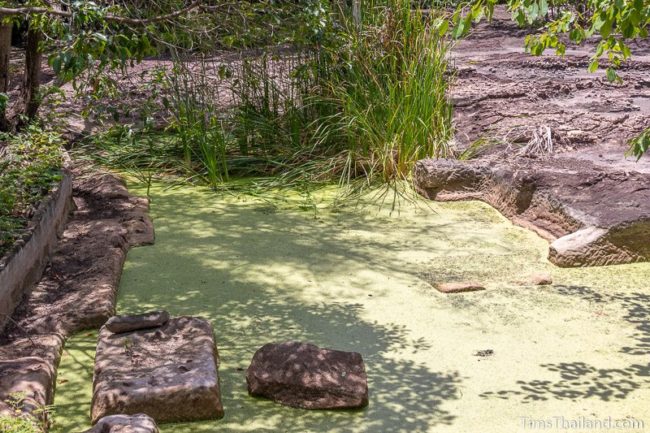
(579, 380)
(244, 267)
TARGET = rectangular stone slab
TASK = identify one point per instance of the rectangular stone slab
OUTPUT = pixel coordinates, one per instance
(459, 287)
(168, 373)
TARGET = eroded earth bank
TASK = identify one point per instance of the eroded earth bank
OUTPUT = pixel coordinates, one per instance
(548, 141)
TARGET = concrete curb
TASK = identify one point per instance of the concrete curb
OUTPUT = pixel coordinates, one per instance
(23, 266)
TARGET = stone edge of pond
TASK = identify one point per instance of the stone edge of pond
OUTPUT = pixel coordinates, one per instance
(78, 289)
(592, 215)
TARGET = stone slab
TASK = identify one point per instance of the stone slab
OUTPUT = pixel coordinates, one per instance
(23, 266)
(169, 373)
(121, 324)
(592, 215)
(305, 376)
(459, 287)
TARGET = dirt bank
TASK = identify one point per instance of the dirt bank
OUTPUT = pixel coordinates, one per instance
(549, 142)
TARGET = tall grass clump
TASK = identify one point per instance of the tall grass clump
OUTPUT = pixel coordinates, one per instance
(358, 97)
(390, 88)
(196, 122)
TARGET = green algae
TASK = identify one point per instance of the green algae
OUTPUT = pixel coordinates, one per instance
(359, 279)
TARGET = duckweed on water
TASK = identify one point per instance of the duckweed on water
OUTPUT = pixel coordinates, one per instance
(358, 280)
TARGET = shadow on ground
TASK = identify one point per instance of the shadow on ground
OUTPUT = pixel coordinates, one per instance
(265, 271)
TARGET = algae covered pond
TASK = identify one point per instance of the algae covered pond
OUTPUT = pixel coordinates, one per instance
(359, 279)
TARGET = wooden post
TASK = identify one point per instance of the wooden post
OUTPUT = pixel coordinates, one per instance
(356, 13)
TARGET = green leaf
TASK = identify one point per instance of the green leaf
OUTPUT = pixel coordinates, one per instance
(543, 8)
(56, 64)
(593, 65)
(459, 30)
(640, 145)
(443, 27)
(606, 28)
(100, 37)
(611, 75)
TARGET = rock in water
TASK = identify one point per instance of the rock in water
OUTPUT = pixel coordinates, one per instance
(139, 423)
(462, 287)
(541, 279)
(169, 373)
(121, 324)
(593, 214)
(305, 376)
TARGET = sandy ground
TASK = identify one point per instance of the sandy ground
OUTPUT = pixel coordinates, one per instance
(358, 280)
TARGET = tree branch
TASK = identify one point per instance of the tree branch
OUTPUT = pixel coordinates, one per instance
(35, 10)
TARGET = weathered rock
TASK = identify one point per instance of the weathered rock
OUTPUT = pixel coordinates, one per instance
(139, 423)
(501, 93)
(305, 376)
(28, 366)
(121, 324)
(78, 289)
(169, 372)
(592, 216)
(23, 265)
(541, 279)
(548, 145)
(459, 287)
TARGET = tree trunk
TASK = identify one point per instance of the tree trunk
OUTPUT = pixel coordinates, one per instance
(32, 77)
(5, 49)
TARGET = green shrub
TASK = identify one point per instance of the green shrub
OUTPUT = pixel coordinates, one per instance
(18, 425)
(30, 163)
(346, 100)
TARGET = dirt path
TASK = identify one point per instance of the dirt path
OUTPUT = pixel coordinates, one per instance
(358, 280)
(78, 289)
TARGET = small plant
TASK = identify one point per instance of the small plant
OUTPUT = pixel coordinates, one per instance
(10, 424)
(640, 145)
(23, 421)
(30, 164)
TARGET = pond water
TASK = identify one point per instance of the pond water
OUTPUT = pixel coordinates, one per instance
(359, 279)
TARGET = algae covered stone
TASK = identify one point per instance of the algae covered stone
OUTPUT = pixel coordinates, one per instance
(169, 372)
(305, 376)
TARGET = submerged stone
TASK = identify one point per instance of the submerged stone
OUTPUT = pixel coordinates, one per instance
(139, 423)
(302, 375)
(121, 324)
(541, 279)
(459, 287)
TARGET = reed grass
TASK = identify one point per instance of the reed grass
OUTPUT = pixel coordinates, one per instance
(359, 104)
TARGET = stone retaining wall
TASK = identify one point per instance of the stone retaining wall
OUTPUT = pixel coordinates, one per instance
(77, 290)
(23, 266)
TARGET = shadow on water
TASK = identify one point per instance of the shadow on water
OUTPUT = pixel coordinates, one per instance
(580, 380)
(257, 274)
